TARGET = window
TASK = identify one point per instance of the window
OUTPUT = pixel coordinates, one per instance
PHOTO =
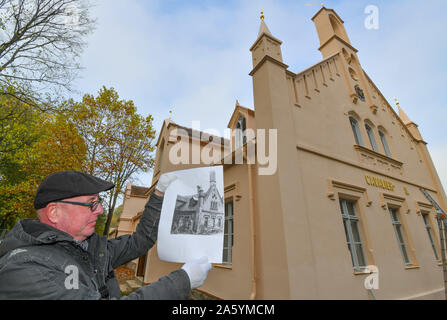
(214, 202)
(228, 234)
(352, 231)
(356, 130)
(385, 144)
(241, 137)
(399, 235)
(160, 157)
(426, 219)
(371, 137)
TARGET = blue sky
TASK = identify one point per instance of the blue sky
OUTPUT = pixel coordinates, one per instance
(193, 56)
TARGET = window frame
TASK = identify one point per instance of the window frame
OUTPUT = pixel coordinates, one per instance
(241, 128)
(371, 137)
(431, 235)
(227, 233)
(350, 239)
(386, 146)
(355, 127)
(399, 231)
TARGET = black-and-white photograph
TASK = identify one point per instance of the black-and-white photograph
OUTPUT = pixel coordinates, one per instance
(192, 220)
(201, 213)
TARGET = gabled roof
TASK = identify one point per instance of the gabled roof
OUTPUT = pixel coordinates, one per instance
(187, 203)
(237, 110)
(391, 108)
(203, 135)
(329, 10)
(264, 30)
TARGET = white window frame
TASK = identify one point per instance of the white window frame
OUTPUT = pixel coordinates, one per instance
(398, 230)
(228, 233)
(426, 219)
(353, 246)
(385, 145)
(371, 137)
(356, 131)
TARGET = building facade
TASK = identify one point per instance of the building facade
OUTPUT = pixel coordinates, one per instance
(200, 213)
(344, 204)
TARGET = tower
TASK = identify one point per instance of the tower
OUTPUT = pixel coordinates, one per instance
(212, 178)
(273, 112)
(331, 32)
(266, 45)
(333, 40)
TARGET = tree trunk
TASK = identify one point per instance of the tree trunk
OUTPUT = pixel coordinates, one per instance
(114, 195)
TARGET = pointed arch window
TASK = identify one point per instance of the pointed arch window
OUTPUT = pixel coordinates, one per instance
(241, 137)
(371, 137)
(385, 143)
(356, 130)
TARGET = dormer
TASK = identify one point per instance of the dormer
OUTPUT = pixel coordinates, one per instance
(243, 119)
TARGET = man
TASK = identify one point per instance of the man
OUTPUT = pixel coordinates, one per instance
(59, 256)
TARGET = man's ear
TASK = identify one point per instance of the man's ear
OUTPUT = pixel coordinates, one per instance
(53, 213)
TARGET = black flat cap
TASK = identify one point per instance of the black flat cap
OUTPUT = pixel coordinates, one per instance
(68, 184)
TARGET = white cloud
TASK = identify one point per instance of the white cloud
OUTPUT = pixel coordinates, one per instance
(194, 56)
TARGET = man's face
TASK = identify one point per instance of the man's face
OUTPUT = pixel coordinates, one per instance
(76, 220)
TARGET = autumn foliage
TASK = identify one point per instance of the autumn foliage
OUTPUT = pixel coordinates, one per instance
(101, 135)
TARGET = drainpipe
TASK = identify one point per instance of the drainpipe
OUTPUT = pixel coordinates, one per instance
(252, 232)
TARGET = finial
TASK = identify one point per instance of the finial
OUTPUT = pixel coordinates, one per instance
(170, 114)
(262, 15)
(313, 3)
(397, 102)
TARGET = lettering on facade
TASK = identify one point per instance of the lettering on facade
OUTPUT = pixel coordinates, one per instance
(379, 183)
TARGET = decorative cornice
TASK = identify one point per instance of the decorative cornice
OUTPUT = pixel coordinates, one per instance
(329, 10)
(341, 40)
(268, 36)
(318, 63)
(378, 155)
(356, 165)
(267, 58)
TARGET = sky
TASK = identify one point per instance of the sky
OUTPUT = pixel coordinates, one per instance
(193, 56)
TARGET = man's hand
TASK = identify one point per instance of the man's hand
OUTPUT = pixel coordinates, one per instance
(163, 183)
(197, 271)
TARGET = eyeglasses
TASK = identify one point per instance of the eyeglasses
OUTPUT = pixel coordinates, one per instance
(93, 205)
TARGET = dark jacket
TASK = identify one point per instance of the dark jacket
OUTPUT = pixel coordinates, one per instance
(40, 262)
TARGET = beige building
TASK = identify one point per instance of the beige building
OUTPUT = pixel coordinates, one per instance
(345, 194)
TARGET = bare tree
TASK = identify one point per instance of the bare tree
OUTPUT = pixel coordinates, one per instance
(40, 45)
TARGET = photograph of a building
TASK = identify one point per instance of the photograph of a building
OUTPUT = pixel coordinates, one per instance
(201, 213)
(346, 194)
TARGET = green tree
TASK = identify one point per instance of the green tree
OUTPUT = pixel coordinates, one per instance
(32, 146)
(119, 142)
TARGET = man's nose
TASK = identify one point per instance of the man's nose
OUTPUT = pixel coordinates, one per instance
(99, 210)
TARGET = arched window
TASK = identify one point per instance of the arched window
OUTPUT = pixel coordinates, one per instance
(241, 127)
(385, 143)
(371, 137)
(356, 130)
